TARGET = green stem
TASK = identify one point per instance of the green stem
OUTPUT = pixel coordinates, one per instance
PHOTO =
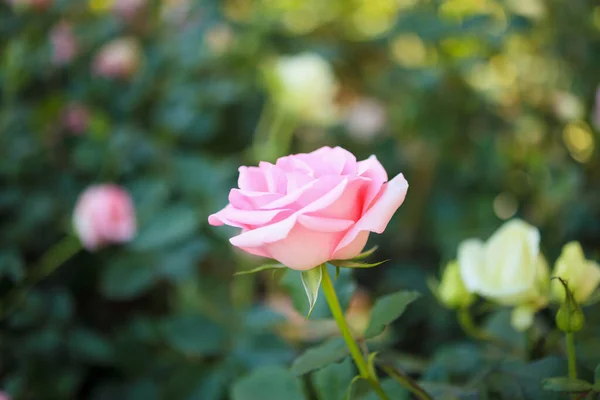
(338, 315)
(50, 261)
(570, 339)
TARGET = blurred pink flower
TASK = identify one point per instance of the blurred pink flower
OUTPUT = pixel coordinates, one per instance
(104, 214)
(365, 118)
(128, 8)
(118, 59)
(76, 118)
(64, 44)
(4, 396)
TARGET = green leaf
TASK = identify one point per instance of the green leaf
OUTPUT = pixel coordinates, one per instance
(355, 264)
(387, 309)
(337, 272)
(564, 384)
(268, 383)
(345, 287)
(263, 267)
(391, 388)
(320, 356)
(167, 227)
(351, 386)
(365, 254)
(331, 382)
(127, 278)
(311, 280)
(597, 375)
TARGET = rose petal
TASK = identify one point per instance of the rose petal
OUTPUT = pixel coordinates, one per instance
(250, 217)
(252, 179)
(303, 249)
(322, 224)
(471, 262)
(220, 218)
(266, 234)
(353, 249)
(372, 169)
(382, 210)
(275, 177)
(250, 200)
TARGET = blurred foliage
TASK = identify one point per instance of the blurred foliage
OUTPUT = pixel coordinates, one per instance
(487, 107)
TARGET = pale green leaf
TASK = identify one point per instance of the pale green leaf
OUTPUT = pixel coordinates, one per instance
(355, 264)
(263, 267)
(311, 280)
(387, 309)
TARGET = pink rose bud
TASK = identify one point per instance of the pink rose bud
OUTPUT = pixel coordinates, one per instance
(118, 59)
(64, 44)
(76, 118)
(307, 209)
(104, 214)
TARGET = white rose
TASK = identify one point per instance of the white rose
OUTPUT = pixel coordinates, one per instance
(582, 276)
(305, 87)
(507, 269)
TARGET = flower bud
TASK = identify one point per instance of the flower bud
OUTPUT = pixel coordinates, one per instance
(569, 320)
(104, 214)
(451, 291)
(581, 275)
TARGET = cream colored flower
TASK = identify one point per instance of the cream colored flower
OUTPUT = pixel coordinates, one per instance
(451, 290)
(508, 269)
(305, 87)
(582, 276)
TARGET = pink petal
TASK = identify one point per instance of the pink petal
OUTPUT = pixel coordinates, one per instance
(372, 169)
(326, 198)
(275, 177)
(251, 179)
(251, 200)
(250, 217)
(380, 213)
(322, 224)
(266, 234)
(220, 218)
(353, 249)
(304, 249)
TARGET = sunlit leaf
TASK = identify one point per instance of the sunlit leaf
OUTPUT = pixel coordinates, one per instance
(263, 267)
(311, 280)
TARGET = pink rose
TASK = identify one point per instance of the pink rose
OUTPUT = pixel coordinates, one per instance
(118, 59)
(310, 208)
(64, 44)
(104, 214)
(76, 118)
(4, 396)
